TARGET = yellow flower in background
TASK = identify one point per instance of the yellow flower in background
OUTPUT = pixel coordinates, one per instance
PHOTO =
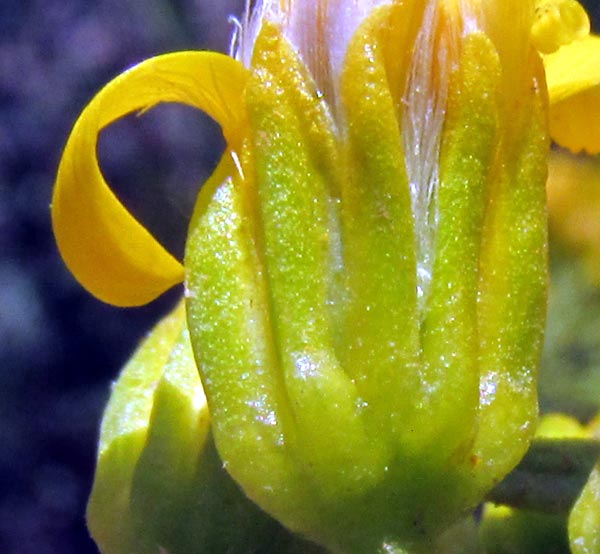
(366, 272)
(573, 75)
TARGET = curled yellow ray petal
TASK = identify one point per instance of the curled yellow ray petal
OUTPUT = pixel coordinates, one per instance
(573, 75)
(575, 122)
(104, 246)
(573, 68)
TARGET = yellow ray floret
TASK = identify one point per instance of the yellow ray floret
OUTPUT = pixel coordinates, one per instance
(104, 246)
(573, 75)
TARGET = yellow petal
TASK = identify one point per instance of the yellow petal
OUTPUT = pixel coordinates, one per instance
(104, 246)
(575, 122)
(573, 69)
(573, 75)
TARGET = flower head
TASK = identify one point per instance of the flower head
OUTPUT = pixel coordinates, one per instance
(365, 270)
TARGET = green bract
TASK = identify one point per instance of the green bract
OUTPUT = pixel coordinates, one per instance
(368, 348)
(584, 521)
(160, 485)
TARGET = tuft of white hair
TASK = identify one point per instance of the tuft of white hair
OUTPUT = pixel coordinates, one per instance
(247, 29)
(422, 126)
(319, 30)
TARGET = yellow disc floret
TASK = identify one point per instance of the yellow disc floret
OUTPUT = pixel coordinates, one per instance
(558, 22)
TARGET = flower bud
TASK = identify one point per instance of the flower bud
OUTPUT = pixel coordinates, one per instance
(366, 276)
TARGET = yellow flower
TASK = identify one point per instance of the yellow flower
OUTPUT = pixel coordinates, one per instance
(573, 75)
(107, 250)
(366, 269)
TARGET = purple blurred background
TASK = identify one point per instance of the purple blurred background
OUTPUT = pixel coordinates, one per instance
(59, 347)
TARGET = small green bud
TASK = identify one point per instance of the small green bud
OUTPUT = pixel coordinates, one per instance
(160, 485)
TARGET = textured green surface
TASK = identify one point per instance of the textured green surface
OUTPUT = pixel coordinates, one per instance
(513, 286)
(160, 483)
(122, 439)
(346, 406)
(584, 521)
